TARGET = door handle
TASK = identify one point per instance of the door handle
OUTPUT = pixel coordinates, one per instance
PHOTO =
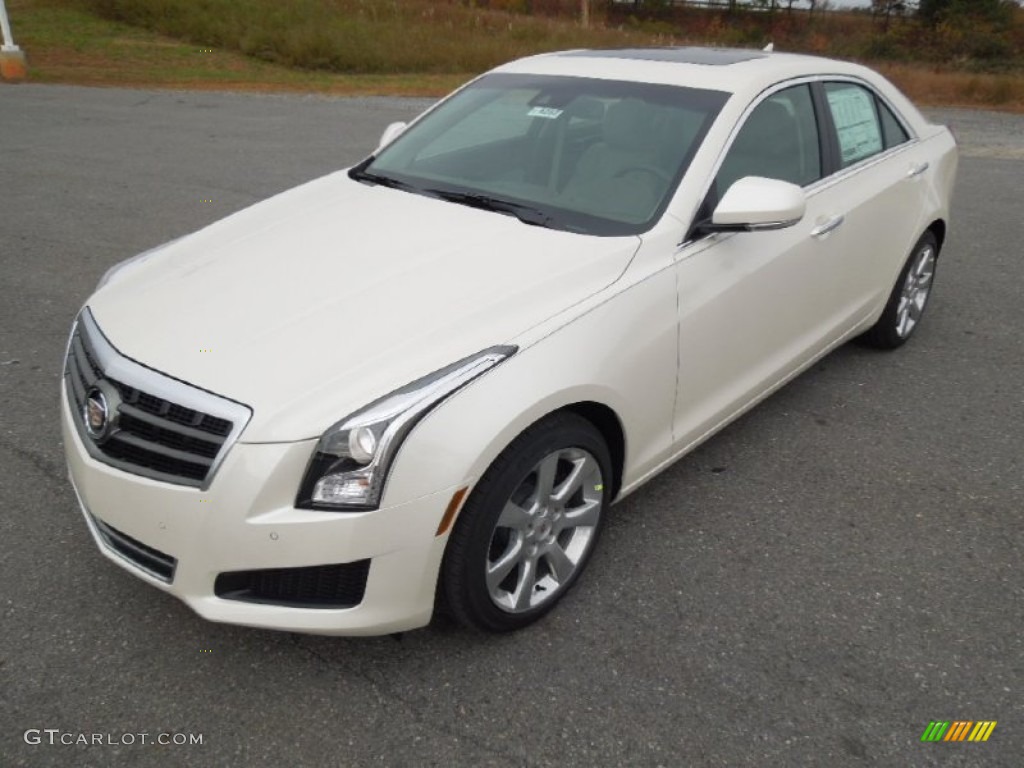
(832, 224)
(917, 170)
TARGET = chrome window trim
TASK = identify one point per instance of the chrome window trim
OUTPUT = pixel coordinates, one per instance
(717, 166)
(134, 374)
(761, 97)
(825, 182)
(867, 162)
(862, 165)
(911, 133)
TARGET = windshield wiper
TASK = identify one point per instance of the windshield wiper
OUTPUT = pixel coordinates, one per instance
(525, 213)
(359, 173)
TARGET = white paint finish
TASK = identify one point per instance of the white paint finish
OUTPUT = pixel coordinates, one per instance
(752, 305)
(756, 202)
(230, 526)
(308, 306)
(620, 352)
(318, 301)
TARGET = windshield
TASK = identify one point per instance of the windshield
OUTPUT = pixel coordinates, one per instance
(600, 157)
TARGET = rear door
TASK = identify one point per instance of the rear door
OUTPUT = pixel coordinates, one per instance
(878, 185)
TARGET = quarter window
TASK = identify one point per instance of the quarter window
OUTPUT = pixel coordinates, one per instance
(892, 130)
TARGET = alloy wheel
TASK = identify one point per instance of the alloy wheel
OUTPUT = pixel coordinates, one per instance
(545, 530)
(916, 287)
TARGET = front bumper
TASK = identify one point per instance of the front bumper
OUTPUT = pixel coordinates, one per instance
(246, 520)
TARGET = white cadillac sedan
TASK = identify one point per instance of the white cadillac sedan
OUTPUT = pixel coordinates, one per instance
(422, 381)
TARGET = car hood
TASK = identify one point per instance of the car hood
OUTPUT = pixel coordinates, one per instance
(313, 303)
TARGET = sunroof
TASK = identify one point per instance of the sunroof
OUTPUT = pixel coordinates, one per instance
(689, 55)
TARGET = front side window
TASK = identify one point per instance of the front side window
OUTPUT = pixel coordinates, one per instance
(779, 140)
(600, 157)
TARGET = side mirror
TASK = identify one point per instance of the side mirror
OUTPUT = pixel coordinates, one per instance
(391, 133)
(754, 203)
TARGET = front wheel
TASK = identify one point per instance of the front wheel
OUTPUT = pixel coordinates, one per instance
(529, 527)
(909, 296)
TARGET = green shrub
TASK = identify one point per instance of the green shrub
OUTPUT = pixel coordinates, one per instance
(458, 36)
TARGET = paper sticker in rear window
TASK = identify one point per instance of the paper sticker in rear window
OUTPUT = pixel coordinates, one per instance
(853, 112)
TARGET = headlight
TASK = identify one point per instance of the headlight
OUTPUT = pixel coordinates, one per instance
(110, 273)
(352, 459)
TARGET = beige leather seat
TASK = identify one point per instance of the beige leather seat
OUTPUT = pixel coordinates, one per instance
(619, 176)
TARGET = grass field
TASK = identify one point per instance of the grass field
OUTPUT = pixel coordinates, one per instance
(402, 47)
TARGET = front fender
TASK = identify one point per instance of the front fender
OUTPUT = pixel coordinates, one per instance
(620, 353)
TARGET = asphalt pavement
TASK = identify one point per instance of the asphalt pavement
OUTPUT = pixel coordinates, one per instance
(811, 587)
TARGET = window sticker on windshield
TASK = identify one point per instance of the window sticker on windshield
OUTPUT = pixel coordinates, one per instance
(856, 123)
(548, 113)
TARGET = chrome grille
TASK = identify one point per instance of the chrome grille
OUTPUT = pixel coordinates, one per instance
(162, 428)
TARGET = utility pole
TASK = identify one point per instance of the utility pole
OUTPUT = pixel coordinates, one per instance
(584, 13)
(12, 60)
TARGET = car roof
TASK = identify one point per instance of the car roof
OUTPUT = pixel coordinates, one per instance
(679, 55)
(732, 70)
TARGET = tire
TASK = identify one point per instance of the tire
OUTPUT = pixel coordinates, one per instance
(529, 527)
(909, 297)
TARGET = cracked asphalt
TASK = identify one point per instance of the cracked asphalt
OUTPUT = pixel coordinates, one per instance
(811, 587)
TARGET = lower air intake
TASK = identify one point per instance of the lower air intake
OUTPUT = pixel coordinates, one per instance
(317, 586)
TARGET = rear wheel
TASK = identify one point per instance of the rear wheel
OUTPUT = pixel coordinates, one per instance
(529, 527)
(909, 296)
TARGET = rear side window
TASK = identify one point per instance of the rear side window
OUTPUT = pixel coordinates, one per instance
(856, 120)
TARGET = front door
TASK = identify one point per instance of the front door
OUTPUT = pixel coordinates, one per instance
(756, 306)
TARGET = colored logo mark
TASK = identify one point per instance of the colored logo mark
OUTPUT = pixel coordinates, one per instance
(958, 730)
